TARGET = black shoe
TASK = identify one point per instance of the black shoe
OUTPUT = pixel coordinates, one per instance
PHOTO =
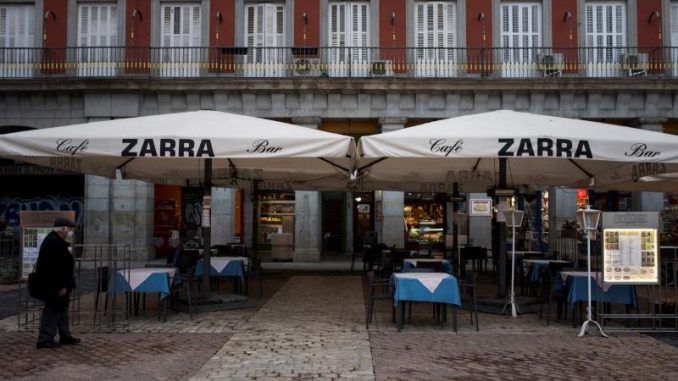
(69, 340)
(49, 344)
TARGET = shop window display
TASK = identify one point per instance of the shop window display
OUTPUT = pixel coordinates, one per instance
(425, 220)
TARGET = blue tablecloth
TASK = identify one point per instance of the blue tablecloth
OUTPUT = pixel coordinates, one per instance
(578, 292)
(142, 280)
(410, 263)
(409, 287)
(223, 267)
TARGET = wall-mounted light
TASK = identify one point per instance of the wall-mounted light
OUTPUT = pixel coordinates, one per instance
(304, 17)
(136, 15)
(220, 17)
(481, 20)
(49, 14)
(358, 198)
(393, 18)
(658, 16)
(567, 16)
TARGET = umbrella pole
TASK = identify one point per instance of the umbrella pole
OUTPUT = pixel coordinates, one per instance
(206, 233)
(502, 236)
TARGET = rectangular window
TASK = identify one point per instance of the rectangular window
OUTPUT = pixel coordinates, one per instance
(180, 40)
(97, 53)
(17, 40)
(605, 37)
(349, 39)
(521, 35)
(265, 39)
(436, 39)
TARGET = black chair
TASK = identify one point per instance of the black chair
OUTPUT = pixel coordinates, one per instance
(467, 289)
(548, 294)
(435, 266)
(377, 289)
(185, 266)
(222, 250)
(254, 270)
(239, 251)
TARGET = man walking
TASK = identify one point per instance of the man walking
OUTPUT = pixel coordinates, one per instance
(54, 271)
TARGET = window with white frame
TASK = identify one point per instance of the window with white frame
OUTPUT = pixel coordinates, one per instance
(605, 37)
(436, 38)
(349, 38)
(17, 40)
(180, 39)
(265, 38)
(97, 39)
(521, 37)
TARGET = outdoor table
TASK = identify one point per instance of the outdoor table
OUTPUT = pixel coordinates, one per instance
(409, 263)
(600, 291)
(528, 253)
(224, 267)
(426, 287)
(536, 265)
(144, 280)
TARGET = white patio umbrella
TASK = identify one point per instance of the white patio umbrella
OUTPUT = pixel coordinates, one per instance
(540, 151)
(192, 148)
(514, 149)
(173, 149)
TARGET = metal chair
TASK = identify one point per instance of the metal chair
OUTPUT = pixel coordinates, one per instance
(467, 287)
(377, 289)
(253, 270)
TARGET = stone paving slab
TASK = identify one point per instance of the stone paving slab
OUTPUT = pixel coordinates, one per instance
(507, 348)
(312, 329)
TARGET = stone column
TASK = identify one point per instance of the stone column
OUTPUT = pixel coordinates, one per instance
(132, 216)
(393, 203)
(480, 228)
(649, 201)
(562, 206)
(120, 212)
(97, 210)
(223, 216)
(307, 207)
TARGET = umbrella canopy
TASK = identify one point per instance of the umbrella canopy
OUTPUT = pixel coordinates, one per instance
(172, 149)
(540, 151)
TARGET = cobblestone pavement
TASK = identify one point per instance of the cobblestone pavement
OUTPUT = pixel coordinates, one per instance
(130, 356)
(505, 348)
(311, 329)
(151, 350)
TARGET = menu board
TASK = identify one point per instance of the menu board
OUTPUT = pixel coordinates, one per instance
(630, 256)
(480, 207)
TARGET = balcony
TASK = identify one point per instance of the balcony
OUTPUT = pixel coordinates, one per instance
(314, 62)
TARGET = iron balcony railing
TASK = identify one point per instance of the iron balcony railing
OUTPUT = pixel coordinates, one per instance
(617, 62)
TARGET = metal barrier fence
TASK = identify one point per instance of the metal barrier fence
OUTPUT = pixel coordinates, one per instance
(657, 304)
(94, 270)
(361, 62)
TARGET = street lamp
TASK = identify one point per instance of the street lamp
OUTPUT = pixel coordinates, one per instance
(588, 218)
(514, 218)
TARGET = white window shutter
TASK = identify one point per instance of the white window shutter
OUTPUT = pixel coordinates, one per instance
(166, 26)
(451, 23)
(97, 24)
(605, 24)
(674, 25)
(521, 25)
